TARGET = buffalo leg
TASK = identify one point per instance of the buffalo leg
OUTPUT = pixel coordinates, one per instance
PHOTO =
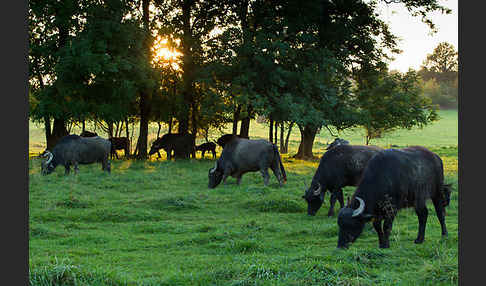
(158, 153)
(332, 202)
(265, 175)
(379, 231)
(387, 227)
(340, 197)
(421, 211)
(76, 169)
(67, 168)
(214, 153)
(440, 211)
(202, 156)
(238, 179)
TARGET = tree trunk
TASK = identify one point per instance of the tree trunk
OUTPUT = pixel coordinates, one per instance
(58, 131)
(270, 130)
(84, 125)
(276, 133)
(287, 138)
(282, 138)
(236, 118)
(142, 138)
(144, 105)
(128, 136)
(110, 129)
(170, 126)
(158, 130)
(307, 135)
(245, 127)
(187, 66)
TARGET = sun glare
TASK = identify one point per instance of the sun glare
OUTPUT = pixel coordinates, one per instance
(164, 54)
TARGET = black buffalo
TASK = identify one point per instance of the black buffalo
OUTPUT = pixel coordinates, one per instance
(209, 146)
(336, 142)
(392, 180)
(341, 166)
(227, 138)
(86, 133)
(241, 155)
(183, 145)
(119, 143)
(74, 150)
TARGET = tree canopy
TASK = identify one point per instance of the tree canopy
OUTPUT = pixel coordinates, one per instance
(318, 64)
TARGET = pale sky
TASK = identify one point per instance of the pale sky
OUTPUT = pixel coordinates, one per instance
(416, 40)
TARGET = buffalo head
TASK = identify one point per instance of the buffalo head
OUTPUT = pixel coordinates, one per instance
(156, 146)
(351, 223)
(314, 196)
(215, 176)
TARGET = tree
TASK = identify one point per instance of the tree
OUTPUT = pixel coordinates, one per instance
(442, 64)
(388, 101)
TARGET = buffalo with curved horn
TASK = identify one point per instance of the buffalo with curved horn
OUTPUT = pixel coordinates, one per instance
(74, 150)
(392, 180)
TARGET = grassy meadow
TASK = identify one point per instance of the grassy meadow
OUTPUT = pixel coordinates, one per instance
(157, 223)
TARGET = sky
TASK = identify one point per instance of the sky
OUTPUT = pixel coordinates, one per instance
(416, 40)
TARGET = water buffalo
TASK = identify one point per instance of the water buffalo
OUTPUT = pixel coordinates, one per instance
(392, 180)
(228, 137)
(74, 150)
(119, 143)
(241, 155)
(209, 146)
(341, 166)
(86, 133)
(336, 142)
(183, 145)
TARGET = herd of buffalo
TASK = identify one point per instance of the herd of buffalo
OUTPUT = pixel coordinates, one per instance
(387, 180)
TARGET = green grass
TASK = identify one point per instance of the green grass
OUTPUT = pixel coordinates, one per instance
(157, 223)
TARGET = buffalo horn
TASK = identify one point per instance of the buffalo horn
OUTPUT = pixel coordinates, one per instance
(360, 209)
(49, 156)
(318, 190)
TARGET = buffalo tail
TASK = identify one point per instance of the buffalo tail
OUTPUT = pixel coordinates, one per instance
(275, 149)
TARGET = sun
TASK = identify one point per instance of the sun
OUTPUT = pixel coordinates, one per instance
(164, 54)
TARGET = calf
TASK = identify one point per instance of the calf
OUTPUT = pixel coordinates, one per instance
(209, 146)
(341, 166)
(119, 143)
(392, 180)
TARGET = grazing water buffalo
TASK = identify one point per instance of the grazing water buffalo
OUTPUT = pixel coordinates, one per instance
(228, 137)
(119, 143)
(86, 133)
(241, 155)
(392, 180)
(341, 166)
(336, 142)
(183, 145)
(209, 146)
(74, 150)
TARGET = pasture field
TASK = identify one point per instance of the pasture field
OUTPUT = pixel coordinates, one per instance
(157, 223)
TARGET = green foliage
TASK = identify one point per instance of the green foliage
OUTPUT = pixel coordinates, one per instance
(443, 94)
(390, 101)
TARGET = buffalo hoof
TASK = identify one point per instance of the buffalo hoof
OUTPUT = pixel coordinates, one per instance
(418, 241)
(385, 245)
(330, 214)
